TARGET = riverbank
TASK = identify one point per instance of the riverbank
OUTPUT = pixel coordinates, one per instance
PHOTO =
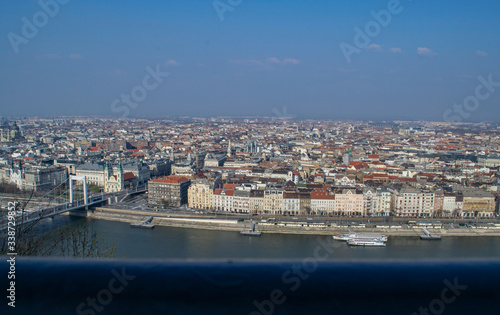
(299, 227)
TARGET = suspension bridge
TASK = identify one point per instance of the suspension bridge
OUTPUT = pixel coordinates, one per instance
(58, 201)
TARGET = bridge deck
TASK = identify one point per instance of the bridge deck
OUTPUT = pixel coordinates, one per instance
(62, 208)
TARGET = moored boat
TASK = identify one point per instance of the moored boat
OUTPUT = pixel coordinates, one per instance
(428, 236)
(146, 224)
(365, 242)
(347, 236)
(251, 231)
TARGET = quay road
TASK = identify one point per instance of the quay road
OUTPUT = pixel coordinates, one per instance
(139, 203)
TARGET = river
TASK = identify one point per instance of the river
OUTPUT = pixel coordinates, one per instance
(179, 243)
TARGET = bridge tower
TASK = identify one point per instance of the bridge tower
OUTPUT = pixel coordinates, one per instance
(85, 194)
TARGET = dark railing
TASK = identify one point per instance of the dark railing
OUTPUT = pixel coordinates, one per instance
(65, 286)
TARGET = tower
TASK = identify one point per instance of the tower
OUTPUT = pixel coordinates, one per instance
(197, 165)
(107, 173)
(119, 177)
(229, 149)
(347, 157)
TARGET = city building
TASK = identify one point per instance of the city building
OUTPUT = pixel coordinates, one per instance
(170, 191)
(201, 194)
(291, 203)
(113, 182)
(413, 202)
(273, 201)
(478, 203)
(322, 202)
(241, 201)
(348, 202)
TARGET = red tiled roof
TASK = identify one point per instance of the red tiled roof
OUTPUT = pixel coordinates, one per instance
(358, 164)
(128, 176)
(321, 194)
(172, 179)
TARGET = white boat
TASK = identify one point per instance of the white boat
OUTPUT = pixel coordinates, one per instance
(348, 236)
(251, 231)
(365, 242)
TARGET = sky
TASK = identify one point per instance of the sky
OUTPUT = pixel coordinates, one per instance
(362, 60)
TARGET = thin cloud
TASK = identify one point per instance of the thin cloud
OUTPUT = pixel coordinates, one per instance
(172, 62)
(424, 51)
(374, 48)
(481, 53)
(273, 60)
(290, 61)
(268, 62)
(396, 50)
(286, 61)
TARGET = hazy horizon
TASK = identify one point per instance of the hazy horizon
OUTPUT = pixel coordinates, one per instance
(369, 60)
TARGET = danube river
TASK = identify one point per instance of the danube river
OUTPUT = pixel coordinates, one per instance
(180, 243)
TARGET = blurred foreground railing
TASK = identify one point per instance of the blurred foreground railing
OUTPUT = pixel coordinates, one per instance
(65, 286)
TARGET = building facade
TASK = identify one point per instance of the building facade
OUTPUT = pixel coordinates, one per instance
(478, 203)
(169, 191)
(349, 203)
(201, 194)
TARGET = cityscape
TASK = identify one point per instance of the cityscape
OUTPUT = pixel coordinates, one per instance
(261, 166)
(250, 157)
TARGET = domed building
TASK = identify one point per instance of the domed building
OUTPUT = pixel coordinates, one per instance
(9, 132)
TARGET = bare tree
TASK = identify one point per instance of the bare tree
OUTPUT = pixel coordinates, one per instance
(30, 240)
(84, 242)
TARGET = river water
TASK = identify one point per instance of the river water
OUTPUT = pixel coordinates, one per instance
(180, 243)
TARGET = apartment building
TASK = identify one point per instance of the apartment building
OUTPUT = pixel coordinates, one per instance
(322, 202)
(273, 201)
(201, 194)
(223, 200)
(413, 202)
(478, 203)
(256, 202)
(382, 203)
(291, 203)
(348, 202)
(241, 201)
(451, 206)
(169, 191)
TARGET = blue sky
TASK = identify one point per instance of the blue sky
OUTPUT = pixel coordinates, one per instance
(263, 56)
